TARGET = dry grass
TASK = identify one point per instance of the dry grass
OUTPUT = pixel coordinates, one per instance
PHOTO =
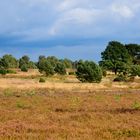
(53, 115)
(65, 109)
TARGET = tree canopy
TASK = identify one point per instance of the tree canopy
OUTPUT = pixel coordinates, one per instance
(115, 56)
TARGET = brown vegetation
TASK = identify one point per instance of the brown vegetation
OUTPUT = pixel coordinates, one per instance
(65, 109)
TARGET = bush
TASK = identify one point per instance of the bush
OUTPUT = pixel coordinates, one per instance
(120, 78)
(42, 80)
(89, 71)
(11, 71)
(3, 71)
(24, 68)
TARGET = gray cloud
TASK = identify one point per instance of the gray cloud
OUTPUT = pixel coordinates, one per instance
(44, 19)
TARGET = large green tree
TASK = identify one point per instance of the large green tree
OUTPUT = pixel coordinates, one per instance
(115, 57)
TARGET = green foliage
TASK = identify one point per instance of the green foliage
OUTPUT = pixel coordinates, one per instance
(88, 71)
(115, 57)
(8, 61)
(135, 70)
(52, 60)
(3, 71)
(120, 78)
(24, 68)
(116, 51)
(68, 63)
(24, 61)
(134, 51)
(32, 65)
(60, 68)
(42, 80)
(45, 66)
(11, 71)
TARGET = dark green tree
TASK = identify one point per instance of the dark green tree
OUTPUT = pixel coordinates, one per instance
(88, 71)
(114, 56)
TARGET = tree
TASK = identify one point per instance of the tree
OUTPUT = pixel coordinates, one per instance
(8, 61)
(134, 51)
(24, 61)
(45, 66)
(114, 56)
(88, 71)
(60, 68)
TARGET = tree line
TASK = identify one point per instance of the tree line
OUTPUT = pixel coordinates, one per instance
(122, 59)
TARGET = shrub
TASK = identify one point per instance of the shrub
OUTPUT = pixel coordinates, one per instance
(3, 71)
(89, 71)
(24, 68)
(42, 80)
(120, 78)
(11, 71)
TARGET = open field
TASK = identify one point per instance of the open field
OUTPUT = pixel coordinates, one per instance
(64, 109)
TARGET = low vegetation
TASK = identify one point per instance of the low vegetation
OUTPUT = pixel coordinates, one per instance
(43, 115)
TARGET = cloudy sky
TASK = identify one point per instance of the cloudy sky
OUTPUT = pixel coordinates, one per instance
(66, 28)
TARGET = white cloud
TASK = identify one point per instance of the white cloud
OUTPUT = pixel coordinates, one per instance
(123, 11)
(36, 19)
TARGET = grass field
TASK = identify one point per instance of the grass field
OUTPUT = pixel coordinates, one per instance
(64, 109)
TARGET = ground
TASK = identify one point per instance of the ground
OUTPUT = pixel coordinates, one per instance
(64, 109)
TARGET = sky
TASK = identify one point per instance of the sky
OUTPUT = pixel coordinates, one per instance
(74, 29)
